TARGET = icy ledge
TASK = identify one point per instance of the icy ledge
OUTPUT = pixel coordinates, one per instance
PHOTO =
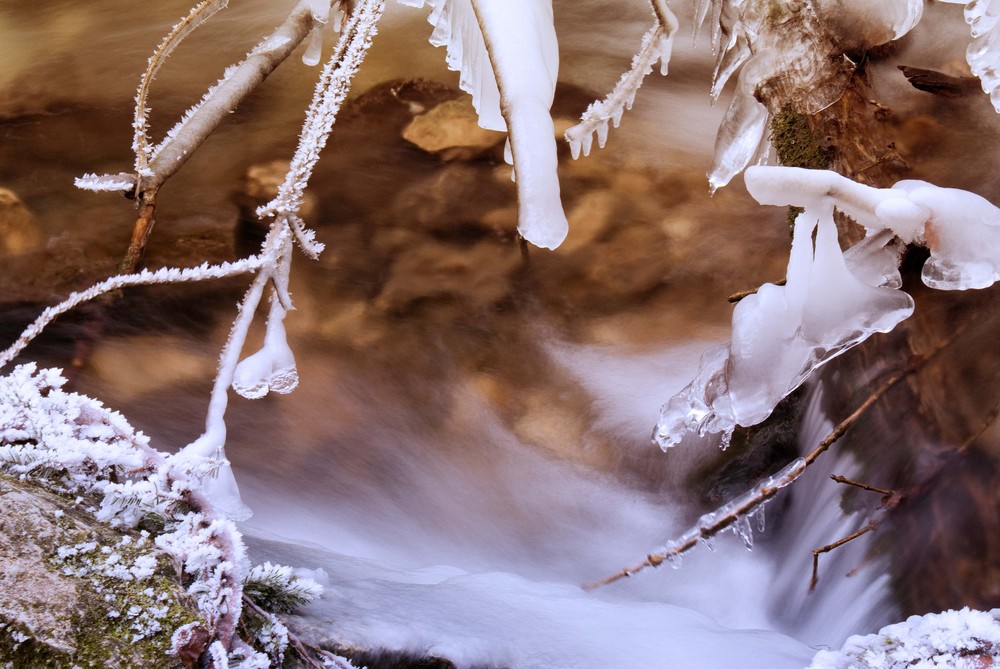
(963, 639)
(831, 300)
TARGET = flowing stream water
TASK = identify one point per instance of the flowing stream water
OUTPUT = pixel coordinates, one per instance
(456, 460)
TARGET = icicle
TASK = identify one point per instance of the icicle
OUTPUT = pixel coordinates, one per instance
(709, 542)
(759, 515)
(521, 44)
(320, 10)
(743, 530)
(675, 561)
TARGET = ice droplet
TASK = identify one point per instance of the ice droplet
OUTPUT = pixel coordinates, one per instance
(314, 47)
(675, 560)
(270, 368)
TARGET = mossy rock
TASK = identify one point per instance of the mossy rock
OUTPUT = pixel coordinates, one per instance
(107, 599)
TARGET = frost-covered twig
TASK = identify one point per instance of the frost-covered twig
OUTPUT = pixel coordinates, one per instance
(657, 44)
(306, 652)
(331, 91)
(145, 277)
(200, 13)
(238, 81)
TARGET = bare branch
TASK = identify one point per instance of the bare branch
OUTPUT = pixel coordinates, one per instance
(863, 486)
(836, 544)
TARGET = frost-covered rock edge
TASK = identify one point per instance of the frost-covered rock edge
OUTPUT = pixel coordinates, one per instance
(73, 445)
(965, 639)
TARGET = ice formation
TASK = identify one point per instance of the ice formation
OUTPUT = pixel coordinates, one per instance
(831, 300)
(508, 58)
(983, 54)
(964, 639)
(273, 366)
(962, 234)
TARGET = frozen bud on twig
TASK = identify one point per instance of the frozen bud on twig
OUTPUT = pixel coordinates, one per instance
(273, 366)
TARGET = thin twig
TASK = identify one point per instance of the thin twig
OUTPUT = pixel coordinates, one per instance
(863, 486)
(140, 233)
(194, 129)
(165, 275)
(836, 544)
(712, 523)
(991, 418)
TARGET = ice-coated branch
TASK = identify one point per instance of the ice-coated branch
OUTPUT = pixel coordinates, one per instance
(656, 46)
(198, 15)
(960, 229)
(735, 514)
(145, 277)
(205, 457)
(831, 300)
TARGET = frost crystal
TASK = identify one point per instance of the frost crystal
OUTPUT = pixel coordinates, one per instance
(106, 182)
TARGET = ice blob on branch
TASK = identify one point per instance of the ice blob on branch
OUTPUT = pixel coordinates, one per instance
(960, 229)
(831, 300)
(272, 368)
(962, 234)
(508, 58)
